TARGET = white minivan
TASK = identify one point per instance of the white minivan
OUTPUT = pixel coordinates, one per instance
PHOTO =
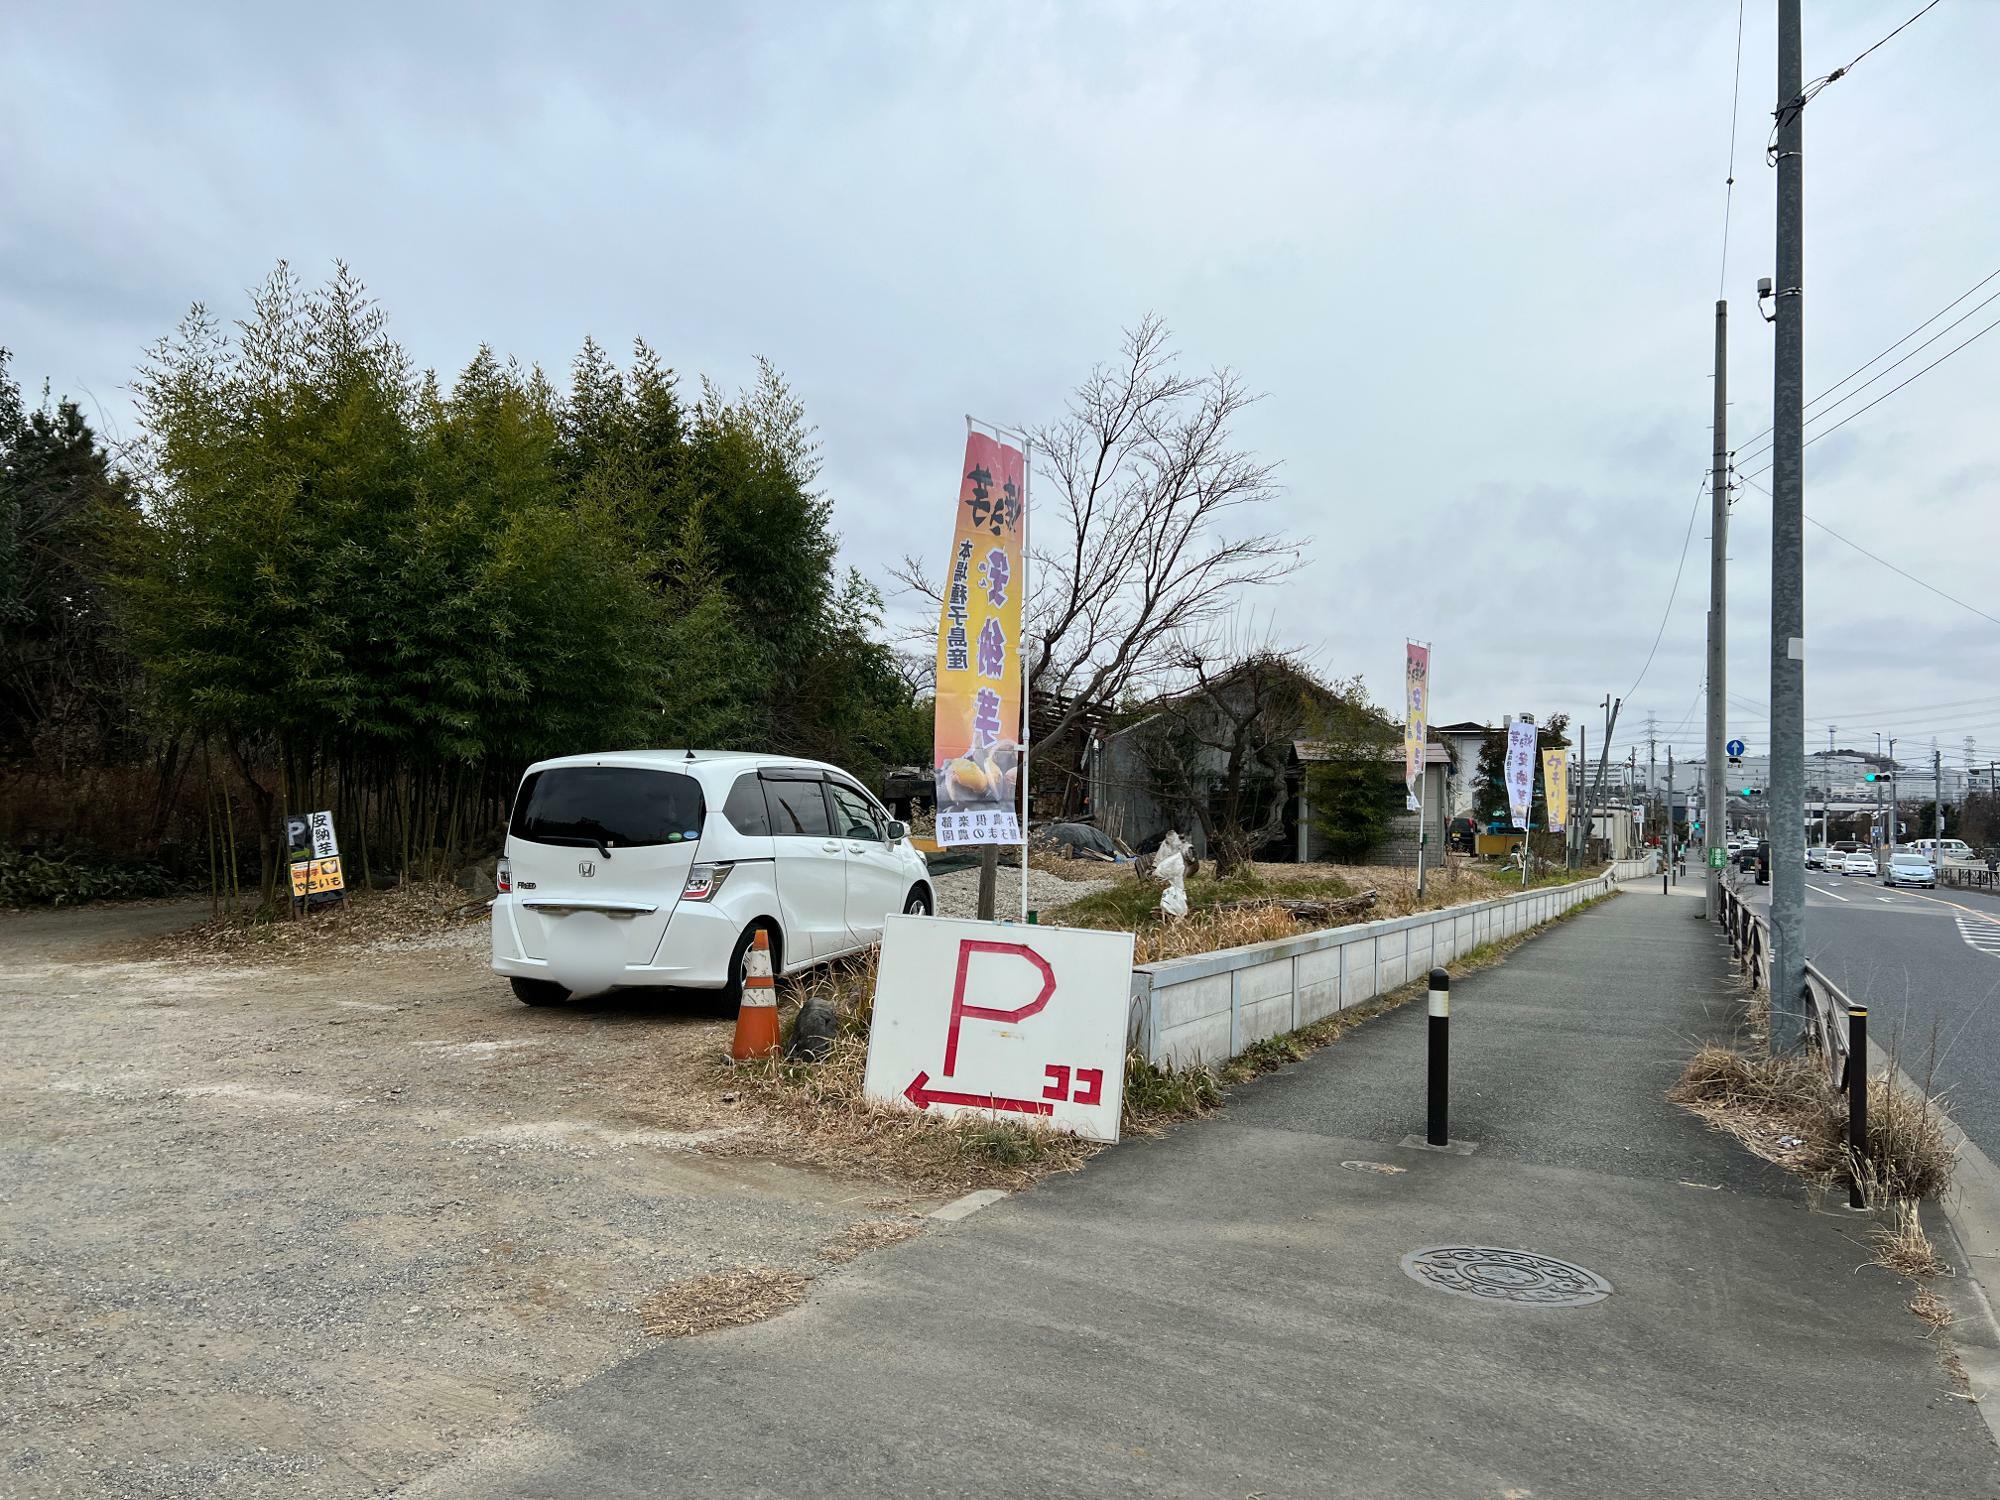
(1941, 852)
(657, 867)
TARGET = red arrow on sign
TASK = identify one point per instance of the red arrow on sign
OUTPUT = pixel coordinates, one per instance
(923, 1098)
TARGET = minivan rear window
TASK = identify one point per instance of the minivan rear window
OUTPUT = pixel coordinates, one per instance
(620, 807)
(745, 809)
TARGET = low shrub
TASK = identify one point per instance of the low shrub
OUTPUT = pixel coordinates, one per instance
(71, 878)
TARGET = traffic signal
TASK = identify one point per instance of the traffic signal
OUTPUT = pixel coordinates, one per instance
(1871, 776)
(1749, 791)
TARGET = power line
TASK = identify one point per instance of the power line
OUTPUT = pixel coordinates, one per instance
(1729, 185)
(1755, 437)
(1884, 396)
(1759, 452)
(1837, 72)
(1698, 692)
(1920, 583)
(1786, 113)
(1674, 592)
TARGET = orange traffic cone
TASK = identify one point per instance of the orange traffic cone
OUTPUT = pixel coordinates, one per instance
(757, 1016)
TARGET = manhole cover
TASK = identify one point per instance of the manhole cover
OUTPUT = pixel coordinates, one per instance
(1492, 1275)
(1373, 1166)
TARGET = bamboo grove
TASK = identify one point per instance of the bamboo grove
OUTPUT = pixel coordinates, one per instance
(324, 579)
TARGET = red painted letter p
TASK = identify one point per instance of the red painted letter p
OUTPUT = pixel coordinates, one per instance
(960, 1010)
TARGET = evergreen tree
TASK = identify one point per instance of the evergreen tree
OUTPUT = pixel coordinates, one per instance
(1358, 788)
(65, 687)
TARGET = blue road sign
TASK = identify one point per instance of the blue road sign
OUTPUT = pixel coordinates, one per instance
(1734, 747)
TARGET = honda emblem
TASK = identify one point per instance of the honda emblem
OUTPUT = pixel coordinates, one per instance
(586, 868)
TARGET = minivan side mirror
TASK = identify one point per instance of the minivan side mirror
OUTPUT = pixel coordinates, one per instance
(896, 832)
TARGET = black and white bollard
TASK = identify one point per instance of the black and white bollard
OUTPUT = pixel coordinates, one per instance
(1857, 1103)
(1438, 1133)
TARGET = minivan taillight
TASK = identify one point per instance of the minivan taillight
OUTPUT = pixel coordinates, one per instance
(703, 881)
(503, 877)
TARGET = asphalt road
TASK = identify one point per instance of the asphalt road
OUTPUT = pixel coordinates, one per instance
(1927, 965)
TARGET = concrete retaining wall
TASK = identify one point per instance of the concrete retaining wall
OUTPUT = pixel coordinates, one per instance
(1207, 1008)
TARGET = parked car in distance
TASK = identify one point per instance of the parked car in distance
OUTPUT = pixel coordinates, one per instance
(1846, 846)
(1818, 857)
(1858, 863)
(1944, 851)
(1909, 869)
(659, 867)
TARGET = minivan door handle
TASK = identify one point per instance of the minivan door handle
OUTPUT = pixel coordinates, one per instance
(831, 846)
(856, 849)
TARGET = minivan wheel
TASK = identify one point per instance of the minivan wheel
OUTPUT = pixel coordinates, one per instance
(538, 991)
(919, 904)
(731, 994)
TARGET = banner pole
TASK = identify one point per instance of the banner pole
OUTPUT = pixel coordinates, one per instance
(1423, 754)
(1027, 693)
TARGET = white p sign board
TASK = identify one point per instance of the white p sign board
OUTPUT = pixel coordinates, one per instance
(1024, 1023)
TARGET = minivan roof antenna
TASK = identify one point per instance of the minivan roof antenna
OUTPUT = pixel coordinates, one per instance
(690, 755)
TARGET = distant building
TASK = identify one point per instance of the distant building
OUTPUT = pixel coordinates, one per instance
(1127, 798)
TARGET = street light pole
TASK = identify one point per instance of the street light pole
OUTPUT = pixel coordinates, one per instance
(1788, 647)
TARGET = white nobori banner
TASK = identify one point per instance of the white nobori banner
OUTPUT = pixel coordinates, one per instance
(1520, 770)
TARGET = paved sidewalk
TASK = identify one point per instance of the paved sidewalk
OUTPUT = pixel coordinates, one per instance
(1224, 1312)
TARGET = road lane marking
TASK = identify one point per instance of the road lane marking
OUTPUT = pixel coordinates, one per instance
(1970, 911)
(1983, 936)
(1825, 892)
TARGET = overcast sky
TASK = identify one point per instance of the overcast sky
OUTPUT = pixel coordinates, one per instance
(1470, 251)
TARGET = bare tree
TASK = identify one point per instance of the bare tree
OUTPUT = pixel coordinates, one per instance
(1130, 557)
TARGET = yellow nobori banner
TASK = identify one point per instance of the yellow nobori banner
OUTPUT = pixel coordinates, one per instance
(1555, 788)
(976, 749)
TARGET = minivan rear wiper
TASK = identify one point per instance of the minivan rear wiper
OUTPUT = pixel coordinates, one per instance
(601, 838)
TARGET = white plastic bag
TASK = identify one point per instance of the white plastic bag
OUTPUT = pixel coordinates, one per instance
(1170, 866)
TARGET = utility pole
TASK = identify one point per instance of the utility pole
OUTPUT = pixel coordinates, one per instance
(1611, 706)
(1788, 594)
(1937, 784)
(1667, 843)
(1580, 804)
(1893, 809)
(1652, 762)
(1712, 832)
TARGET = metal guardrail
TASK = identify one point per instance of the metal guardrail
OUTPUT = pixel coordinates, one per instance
(1969, 878)
(1829, 1012)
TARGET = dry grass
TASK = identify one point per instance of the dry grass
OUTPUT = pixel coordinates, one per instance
(819, 1111)
(1930, 1308)
(869, 1234)
(1787, 1111)
(1902, 1246)
(1212, 931)
(366, 919)
(723, 1299)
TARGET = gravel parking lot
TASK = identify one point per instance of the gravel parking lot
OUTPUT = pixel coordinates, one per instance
(958, 891)
(315, 1226)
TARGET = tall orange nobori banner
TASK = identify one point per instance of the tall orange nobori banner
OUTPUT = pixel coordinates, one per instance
(979, 751)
